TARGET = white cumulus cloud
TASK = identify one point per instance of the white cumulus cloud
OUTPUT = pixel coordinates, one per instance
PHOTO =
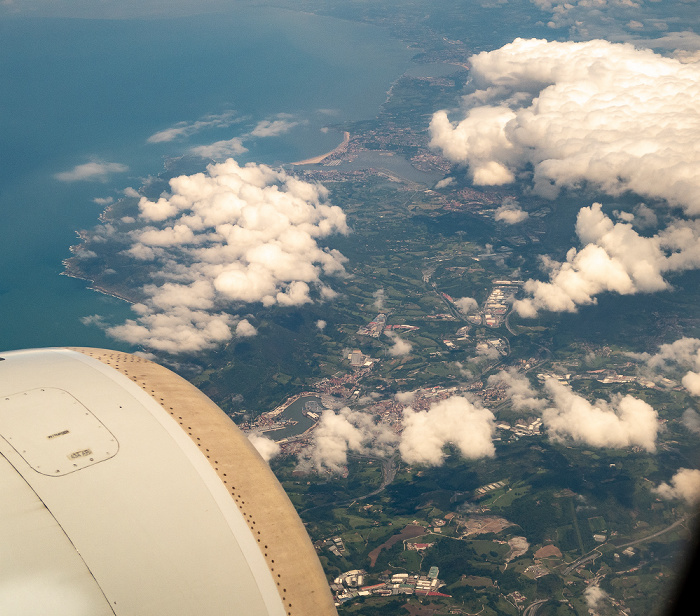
(623, 20)
(220, 149)
(565, 115)
(518, 389)
(455, 421)
(272, 128)
(624, 422)
(683, 354)
(609, 114)
(510, 213)
(341, 432)
(219, 239)
(399, 347)
(684, 485)
(179, 330)
(379, 297)
(244, 329)
(185, 129)
(594, 595)
(266, 447)
(467, 305)
(95, 171)
(614, 258)
(405, 397)
(444, 183)
(691, 420)
(691, 381)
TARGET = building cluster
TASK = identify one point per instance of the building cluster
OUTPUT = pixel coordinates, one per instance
(267, 423)
(496, 306)
(517, 597)
(498, 344)
(608, 376)
(562, 378)
(428, 396)
(497, 255)
(418, 547)
(536, 571)
(334, 545)
(441, 316)
(341, 386)
(476, 196)
(374, 328)
(616, 378)
(333, 174)
(462, 333)
(350, 585)
(491, 487)
(473, 201)
(293, 447)
(395, 134)
(498, 302)
(391, 410)
(530, 426)
(358, 360)
(494, 394)
(475, 318)
(313, 409)
(404, 328)
(429, 162)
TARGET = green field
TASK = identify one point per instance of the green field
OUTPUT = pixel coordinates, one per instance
(597, 524)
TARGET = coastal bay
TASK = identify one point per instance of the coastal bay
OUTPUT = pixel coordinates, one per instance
(91, 92)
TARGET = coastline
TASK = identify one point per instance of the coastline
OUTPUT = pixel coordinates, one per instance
(318, 159)
(91, 284)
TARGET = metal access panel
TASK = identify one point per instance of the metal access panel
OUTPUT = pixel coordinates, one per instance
(54, 432)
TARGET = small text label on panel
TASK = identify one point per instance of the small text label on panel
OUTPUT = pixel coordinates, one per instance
(80, 454)
(62, 433)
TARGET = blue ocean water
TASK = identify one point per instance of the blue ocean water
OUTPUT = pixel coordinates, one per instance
(76, 91)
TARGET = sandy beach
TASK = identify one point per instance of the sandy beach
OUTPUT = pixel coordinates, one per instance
(317, 159)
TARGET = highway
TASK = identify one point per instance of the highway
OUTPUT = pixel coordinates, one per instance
(656, 534)
(506, 322)
(531, 610)
(389, 469)
(591, 556)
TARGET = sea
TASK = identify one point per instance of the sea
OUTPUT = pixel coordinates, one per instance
(295, 412)
(78, 91)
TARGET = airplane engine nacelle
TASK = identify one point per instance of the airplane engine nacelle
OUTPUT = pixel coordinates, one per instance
(127, 491)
